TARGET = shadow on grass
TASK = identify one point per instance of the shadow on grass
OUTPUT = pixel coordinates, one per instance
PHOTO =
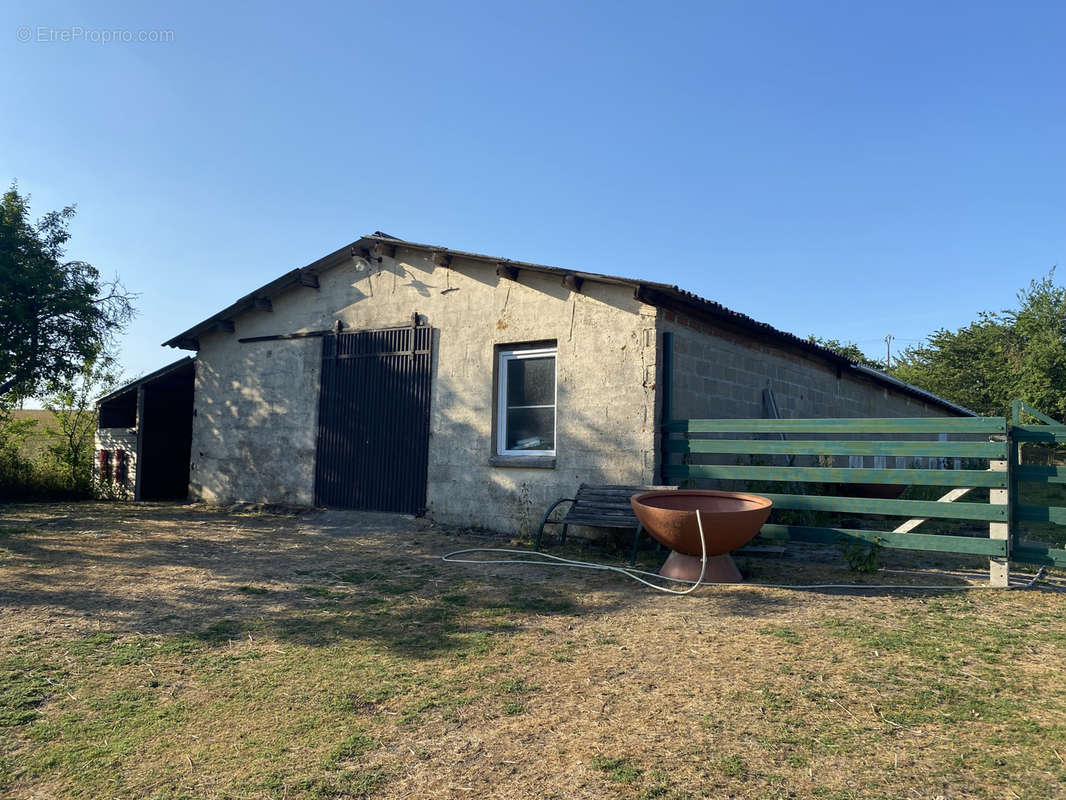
(93, 566)
(315, 580)
(414, 621)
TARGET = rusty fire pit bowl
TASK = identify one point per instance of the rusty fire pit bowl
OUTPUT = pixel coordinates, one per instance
(730, 520)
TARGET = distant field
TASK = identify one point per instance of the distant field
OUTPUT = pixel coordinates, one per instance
(37, 442)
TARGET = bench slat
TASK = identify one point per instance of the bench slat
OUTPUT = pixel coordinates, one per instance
(606, 506)
(602, 522)
(605, 498)
(585, 512)
(622, 488)
(619, 491)
(603, 507)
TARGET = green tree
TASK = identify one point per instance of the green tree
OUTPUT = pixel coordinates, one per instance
(16, 470)
(849, 350)
(1015, 354)
(55, 315)
(74, 430)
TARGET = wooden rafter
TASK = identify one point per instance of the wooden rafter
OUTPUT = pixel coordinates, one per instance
(572, 282)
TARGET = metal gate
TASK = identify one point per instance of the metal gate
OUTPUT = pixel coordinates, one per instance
(373, 420)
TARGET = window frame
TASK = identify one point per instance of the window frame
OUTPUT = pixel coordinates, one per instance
(514, 353)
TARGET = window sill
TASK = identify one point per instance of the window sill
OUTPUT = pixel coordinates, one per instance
(529, 462)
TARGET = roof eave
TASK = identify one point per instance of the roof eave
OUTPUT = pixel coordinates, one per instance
(914, 390)
(661, 295)
(302, 276)
(151, 376)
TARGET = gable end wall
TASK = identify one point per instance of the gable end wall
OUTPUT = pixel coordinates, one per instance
(256, 404)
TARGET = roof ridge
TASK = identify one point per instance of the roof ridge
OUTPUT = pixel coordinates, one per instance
(650, 292)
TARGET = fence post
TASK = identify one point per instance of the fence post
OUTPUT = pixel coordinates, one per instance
(998, 568)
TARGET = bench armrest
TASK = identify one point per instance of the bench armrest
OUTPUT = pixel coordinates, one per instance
(544, 520)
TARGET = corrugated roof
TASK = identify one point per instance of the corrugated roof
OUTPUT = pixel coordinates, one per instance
(151, 376)
(662, 295)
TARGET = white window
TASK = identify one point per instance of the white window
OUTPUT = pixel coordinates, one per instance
(525, 407)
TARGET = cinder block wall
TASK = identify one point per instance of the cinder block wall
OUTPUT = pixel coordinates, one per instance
(256, 404)
(720, 374)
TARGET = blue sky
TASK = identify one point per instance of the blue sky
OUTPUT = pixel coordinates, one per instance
(839, 168)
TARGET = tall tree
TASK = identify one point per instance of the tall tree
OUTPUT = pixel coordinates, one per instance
(55, 315)
(848, 350)
(1015, 354)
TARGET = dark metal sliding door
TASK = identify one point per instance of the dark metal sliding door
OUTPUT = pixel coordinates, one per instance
(373, 420)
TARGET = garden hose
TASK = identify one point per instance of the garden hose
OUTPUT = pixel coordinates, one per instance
(536, 558)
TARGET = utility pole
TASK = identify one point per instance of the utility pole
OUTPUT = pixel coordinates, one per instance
(888, 351)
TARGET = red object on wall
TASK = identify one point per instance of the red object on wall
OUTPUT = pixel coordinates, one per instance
(105, 466)
(121, 467)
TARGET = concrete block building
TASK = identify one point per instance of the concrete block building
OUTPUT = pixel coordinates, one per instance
(397, 376)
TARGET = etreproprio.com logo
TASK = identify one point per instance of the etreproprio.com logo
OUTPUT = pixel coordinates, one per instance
(76, 33)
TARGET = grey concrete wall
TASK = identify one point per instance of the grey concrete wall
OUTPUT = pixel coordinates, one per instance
(256, 404)
(718, 374)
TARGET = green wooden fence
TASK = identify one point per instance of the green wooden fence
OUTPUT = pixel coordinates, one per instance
(863, 440)
(997, 441)
(1046, 431)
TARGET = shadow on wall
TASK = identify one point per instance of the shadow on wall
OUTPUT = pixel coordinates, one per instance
(597, 442)
(404, 274)
(257, 404)
(253, 432)
(256, 437)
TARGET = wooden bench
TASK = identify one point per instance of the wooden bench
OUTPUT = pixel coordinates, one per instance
(599, 507)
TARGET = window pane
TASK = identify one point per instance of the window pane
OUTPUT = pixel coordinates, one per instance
(530, 429)
(531, 381)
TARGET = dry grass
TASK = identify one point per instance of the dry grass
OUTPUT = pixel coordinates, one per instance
(170, 651)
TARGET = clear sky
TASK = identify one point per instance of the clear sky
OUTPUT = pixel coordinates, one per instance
(848, 169)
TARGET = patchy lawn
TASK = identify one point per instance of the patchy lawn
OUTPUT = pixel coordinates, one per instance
(173, 652)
